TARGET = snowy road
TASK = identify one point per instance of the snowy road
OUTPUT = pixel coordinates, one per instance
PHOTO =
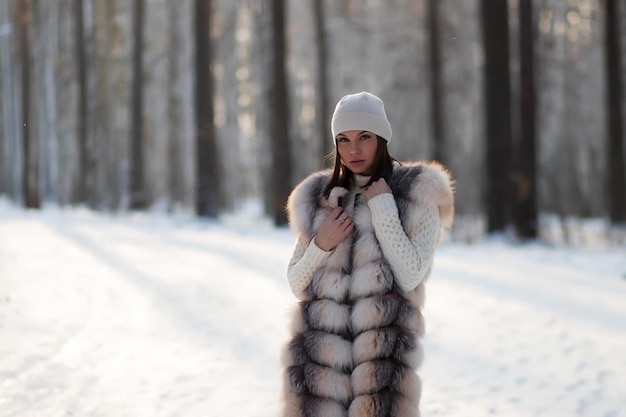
(156, 316)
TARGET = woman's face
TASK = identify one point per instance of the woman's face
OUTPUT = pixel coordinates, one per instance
(357, 149)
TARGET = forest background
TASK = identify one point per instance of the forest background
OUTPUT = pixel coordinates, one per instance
(199, 106)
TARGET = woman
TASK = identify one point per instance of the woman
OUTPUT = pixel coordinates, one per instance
(366, 236)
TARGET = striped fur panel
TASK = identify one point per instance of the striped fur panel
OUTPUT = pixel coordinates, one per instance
(306, 405)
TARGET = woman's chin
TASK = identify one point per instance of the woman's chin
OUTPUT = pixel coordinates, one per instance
(361, 170)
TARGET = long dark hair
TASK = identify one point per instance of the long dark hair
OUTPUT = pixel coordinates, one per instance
(344, 177)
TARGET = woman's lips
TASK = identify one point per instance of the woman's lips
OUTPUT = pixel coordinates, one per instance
(357, 162)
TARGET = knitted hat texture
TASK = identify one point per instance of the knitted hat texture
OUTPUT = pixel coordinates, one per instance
(360, 111)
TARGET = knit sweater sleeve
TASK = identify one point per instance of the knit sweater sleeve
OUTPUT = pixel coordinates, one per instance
(306, 259)
(410, 256)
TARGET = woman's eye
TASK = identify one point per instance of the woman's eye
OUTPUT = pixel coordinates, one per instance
(365, 137)
(342, 140)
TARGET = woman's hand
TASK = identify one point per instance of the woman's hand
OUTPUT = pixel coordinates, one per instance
(334, 229)
(376, 188)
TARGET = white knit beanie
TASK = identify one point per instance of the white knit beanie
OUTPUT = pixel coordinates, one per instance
(360, 111)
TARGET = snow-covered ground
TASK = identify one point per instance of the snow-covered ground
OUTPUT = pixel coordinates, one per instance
(154, 315)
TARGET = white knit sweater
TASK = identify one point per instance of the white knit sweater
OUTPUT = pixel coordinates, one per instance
(409, 258)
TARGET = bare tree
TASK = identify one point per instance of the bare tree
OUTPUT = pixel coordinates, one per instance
(207, 174)
(322, 100)
(9, 119)
(81, 107)
(436, 90)
(137, 184)
(281, 163)
(179, 97)
(497, 111)
(615, 89)
(524, 178)
(30, 164)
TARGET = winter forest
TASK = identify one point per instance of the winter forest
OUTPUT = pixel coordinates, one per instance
(148, 147)
(198, 106)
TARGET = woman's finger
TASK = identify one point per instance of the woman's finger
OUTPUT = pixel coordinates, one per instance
(343, 218)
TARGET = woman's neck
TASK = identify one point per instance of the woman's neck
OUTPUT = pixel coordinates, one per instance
(361, 180)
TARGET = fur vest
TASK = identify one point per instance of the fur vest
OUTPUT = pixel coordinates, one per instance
(355, 341)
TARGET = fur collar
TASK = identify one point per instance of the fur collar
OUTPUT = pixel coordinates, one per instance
(421, 183)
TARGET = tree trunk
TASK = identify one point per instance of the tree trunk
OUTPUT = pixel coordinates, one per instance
(436, 90)
(524, 179)
(9, 119)
(137, 183)
(615, 85)
(176, 137)
(30, 165)
(207, 200)
(81, 109)
(322, 77)
(497, 112)
(281, 164)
